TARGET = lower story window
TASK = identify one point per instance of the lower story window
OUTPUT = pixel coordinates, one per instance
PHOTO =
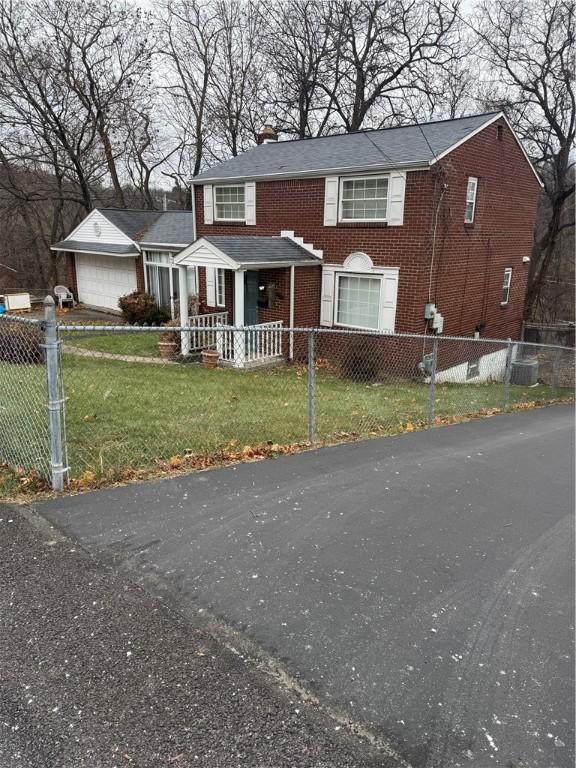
(506, 286)
(163, 281)
(358, 301)
(220, 288)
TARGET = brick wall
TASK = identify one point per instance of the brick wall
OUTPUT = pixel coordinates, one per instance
(469, 260)
(71, 281)
(140, 283)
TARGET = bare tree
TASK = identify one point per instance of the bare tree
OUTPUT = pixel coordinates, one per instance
(528, 47)
(300, 58)
(192, 30)
(103, 54)
(237, 75)
(382, 49)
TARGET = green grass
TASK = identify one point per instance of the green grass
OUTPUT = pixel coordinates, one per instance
(144, 344)
(122, 414)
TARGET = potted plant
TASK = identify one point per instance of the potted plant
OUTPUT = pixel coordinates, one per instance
(169, 342)
(210, 358)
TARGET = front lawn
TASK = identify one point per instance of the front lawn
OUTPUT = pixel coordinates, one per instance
(118, 343)
(131, 414)
(121, 415)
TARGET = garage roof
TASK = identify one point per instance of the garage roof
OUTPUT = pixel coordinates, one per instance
(112, 249)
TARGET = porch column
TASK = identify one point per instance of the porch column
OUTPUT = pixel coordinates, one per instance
(184, 321)
(239, 340)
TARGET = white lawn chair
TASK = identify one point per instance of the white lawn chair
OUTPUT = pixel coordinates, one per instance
(63, 295)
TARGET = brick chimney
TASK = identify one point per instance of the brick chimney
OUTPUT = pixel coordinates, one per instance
(266, 135)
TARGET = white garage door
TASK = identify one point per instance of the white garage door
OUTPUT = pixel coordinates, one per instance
(103, 279)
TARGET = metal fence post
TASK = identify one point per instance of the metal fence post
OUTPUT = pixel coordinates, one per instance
(432, 384)
(311, 388)
(507, 375)
(51, 346)
(556, 372)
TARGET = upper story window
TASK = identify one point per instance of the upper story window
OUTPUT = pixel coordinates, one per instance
(470, 199)
(364, 198)
(229, 203)
(506, 286)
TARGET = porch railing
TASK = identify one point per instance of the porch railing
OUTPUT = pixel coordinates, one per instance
(250, 345)
(203, 333)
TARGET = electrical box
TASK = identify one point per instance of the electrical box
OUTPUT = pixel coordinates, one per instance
(429, 311)
(438, 323)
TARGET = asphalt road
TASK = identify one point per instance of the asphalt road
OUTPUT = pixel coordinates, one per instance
(423, 584)
(96, 673)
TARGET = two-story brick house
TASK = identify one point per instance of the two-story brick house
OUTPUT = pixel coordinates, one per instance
(367, 230)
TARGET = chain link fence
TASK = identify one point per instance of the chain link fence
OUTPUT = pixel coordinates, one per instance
(24, 433)
(131, 405)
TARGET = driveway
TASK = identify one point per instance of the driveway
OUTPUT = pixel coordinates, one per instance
(421, 584)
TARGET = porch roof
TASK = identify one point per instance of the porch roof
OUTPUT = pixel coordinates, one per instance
(103, 249)
(246, 252)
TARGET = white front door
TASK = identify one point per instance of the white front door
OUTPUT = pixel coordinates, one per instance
(102, 280)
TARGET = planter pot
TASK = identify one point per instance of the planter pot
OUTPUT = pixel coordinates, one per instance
(210, 358)
(168, 350)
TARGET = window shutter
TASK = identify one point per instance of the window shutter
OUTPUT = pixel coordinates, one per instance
(208, 204)
(327, 299)
(396, 201)
(211, 286)
(250, 202)
(331, 201)
(388, 301)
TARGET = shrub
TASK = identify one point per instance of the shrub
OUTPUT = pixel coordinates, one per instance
(361, 363)
(20, 343)
(139, 308)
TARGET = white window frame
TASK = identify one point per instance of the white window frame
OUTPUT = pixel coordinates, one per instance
(169, 264)
(367, 276)
(506, 285)
(220, 287)
(473, 369)
(470, 198)
(228, 186)
(362, 178)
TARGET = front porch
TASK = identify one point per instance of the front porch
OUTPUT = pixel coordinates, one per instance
(247, 347)
(249, 282)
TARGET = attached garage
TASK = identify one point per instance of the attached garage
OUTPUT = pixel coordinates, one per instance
(101, 280)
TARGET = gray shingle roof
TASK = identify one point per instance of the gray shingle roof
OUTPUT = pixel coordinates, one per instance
(255, 249)
(83, 247)
(388, 148)
(172, 227)
(152, 227)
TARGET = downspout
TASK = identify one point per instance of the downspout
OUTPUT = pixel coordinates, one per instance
(292, 311)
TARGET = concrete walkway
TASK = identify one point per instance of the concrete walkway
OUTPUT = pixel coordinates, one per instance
(81, 352)
(421, 584)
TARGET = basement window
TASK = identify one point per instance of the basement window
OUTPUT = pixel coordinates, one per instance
(473, 369)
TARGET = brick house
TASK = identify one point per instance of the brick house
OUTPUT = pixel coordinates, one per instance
(421, 228)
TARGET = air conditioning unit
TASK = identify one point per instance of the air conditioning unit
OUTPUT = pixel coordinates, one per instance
(524, 373)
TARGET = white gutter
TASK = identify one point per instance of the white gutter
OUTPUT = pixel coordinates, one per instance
(96, 253)
(319, 173)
